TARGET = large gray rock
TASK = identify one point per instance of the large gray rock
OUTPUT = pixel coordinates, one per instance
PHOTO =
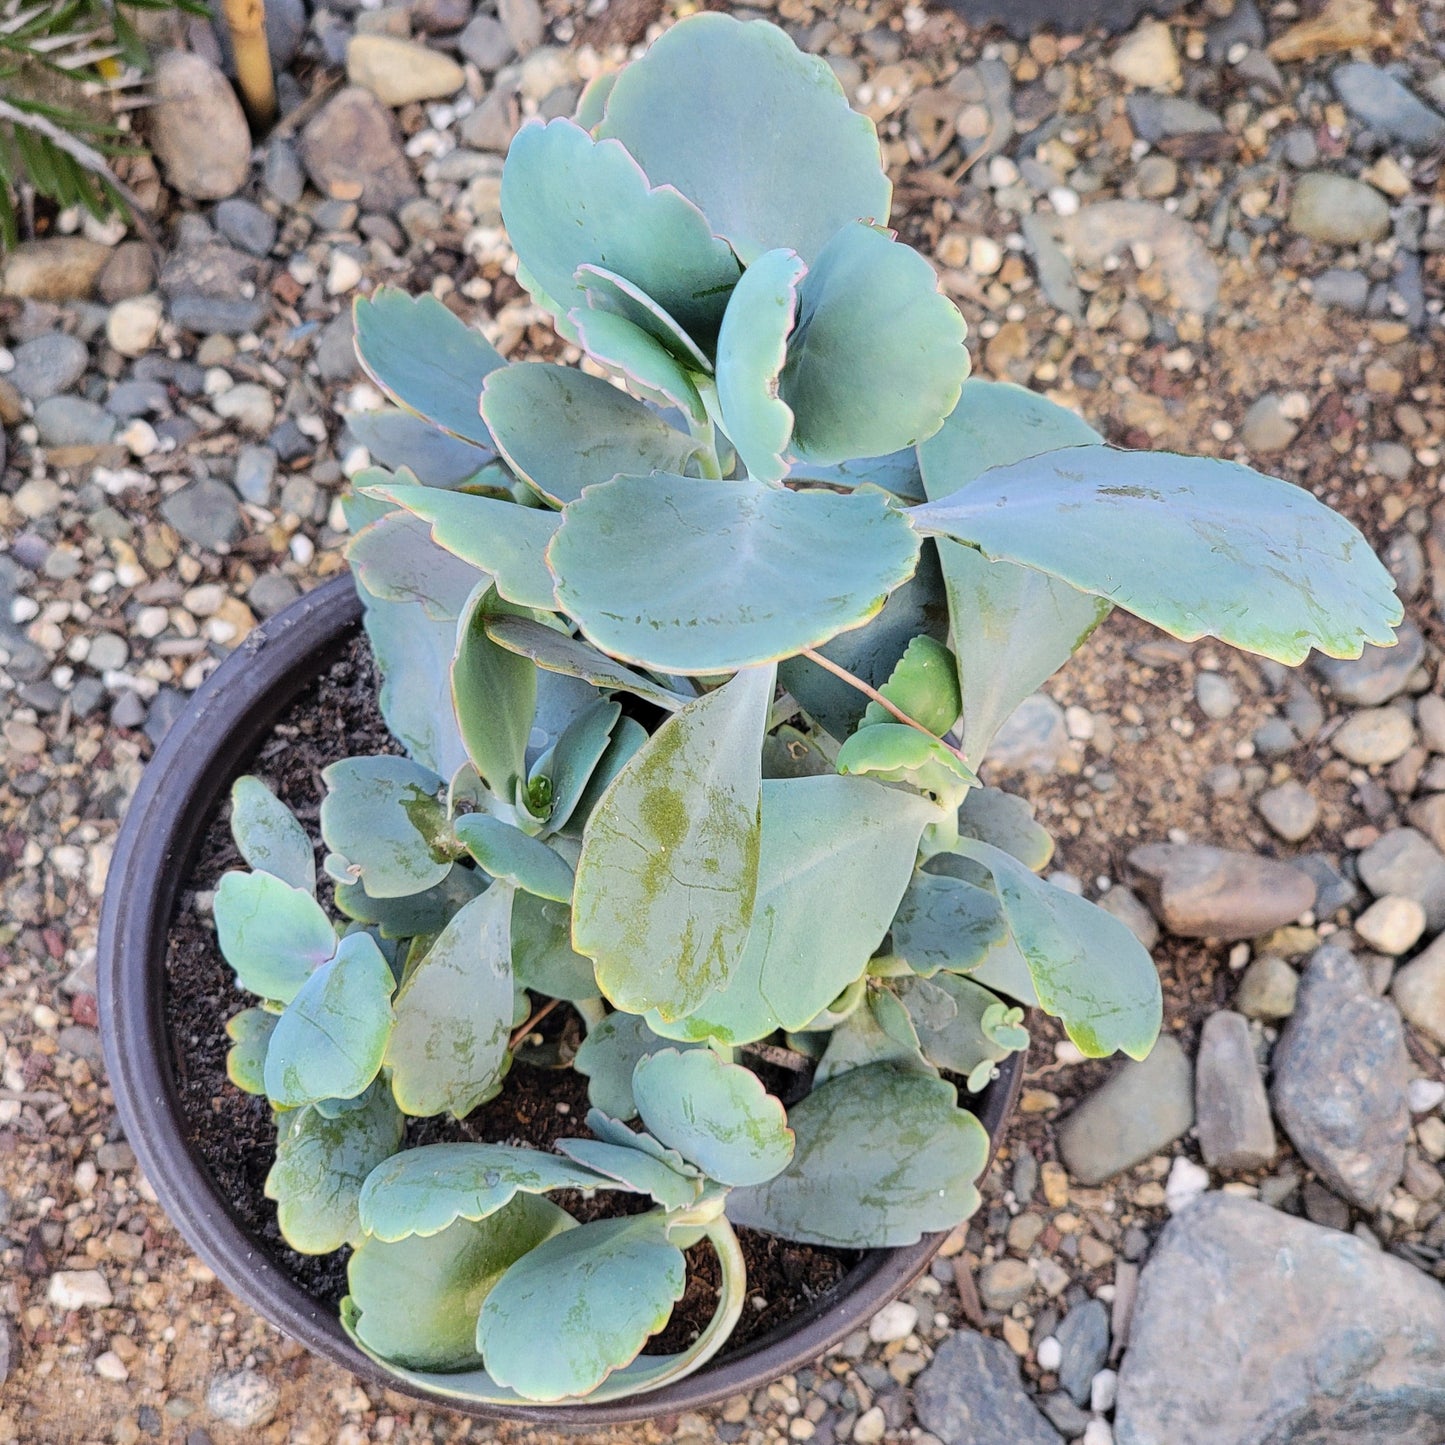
(1377, 675)
(1201, 892)
(198, 129)
(972, 1395)
(1340, 1081)
(1338, 210)
(1252, 1327)
(1232, 1110)
(1405, 863)
(1419, 990)
(1375, 97)
(352, 151)
(1141, 1109)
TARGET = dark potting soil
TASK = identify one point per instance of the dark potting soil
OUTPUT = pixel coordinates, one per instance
(233, 1131)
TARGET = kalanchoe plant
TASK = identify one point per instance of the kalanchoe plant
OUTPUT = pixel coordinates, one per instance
(694, 655)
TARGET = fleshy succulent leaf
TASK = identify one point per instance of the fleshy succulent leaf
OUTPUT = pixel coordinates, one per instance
(636, 1170)
(1197, 546)
(607, 1056)
(425, 357)
(924, 685)
(893, 752)
(947, 923)
(962, 1026)
(1007, 821)
(568, 765)
(268, 835)
(638, 562)
(624, 348)
(879, 1032)
(416, 914)
(426, 1190)
(569, 200)
(396, 559)
(329, 1042)
(882, 1158)
(514, 857)
(751, 349)
(697, 102)
(494, 693)
(386, 817)
(562, 430)
(620, 1279)
(542, 954)
(321, 1164)
(502, 539)
(607, 291)
(398, 439)
(250, 1034)
(1088, 969)
(877, 358)
(715, 1114)
(272, 934)
(448, 1049)
(415, 1301)
(669, 864)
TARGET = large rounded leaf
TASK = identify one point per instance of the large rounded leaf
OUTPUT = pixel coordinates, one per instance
(562, 430)
(418, 1299)
(694, 577)
(580, 1306)
(716, 1115)
(877, 358)
(883, 1157)
(272, 934)
(758, 134)
(751, 350)
(431, 361)
(568, 200)
(448, 1050)
(424, 1190)
(268, 835)
(329, 1042)
(1197, 546)
(669, 865)
(608, 1055)
(321, 1164)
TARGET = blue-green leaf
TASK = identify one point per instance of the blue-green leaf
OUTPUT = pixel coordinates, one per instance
(494, 693)
(399, 439)
(896, 753)
(878, 1032)
(423, 1191)
(878, 357)
(882, 1158)
(716, 1115)
(1088, 969)
(396, 559)
(272, 934)
(635, 1169)
(250, 1034)
(268, 835)
(568, 200)
(961, 1025)
(569, 764)
(542, 954)
(321, 1164)
(619, 1279)
(609, 1054)
(1006, 821)
(329, 1042)
(417, 913)
(429, 360)
(415, 1302)
(947, 923)
(506, 541)
(669, 864)
(627, 350)
(751, 349)
(448, 1049)
(386, 817)
(513, 856)
(607, 291)
(692, 111)
(694, 577)
(1197, 546)
(562, 430)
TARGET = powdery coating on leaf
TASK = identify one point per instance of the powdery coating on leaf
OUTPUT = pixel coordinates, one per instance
(422, 1191)
(751, 349)
(321, 1165)
(1197, 546)
(268, 835)
(272, 934)
(426, 358)
(635, 1169)
(514, 857)
(651, 371)
(595, 1295)
(882, 1158)
(691, 576)
(397, 559)
(607, 291)
(562, 430)
(946, 923)
(757, 134)
(716, 1115)
(836, 856)
(609, 1054)
(1088, 969)
(668, 872)
(570, 201)
(448, 1050)
(505, 541)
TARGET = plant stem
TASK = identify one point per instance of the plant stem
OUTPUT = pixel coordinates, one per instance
(517, 1038)
(247, 22)
(872, 693)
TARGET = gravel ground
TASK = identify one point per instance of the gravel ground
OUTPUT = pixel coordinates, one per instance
(1222, 235)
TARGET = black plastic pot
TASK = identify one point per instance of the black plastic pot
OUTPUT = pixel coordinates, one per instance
(1073, 17)
(189, 774)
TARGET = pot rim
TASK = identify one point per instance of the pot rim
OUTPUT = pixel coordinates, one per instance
(224, 721)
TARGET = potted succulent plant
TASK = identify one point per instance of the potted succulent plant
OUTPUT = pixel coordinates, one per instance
(694, 654)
